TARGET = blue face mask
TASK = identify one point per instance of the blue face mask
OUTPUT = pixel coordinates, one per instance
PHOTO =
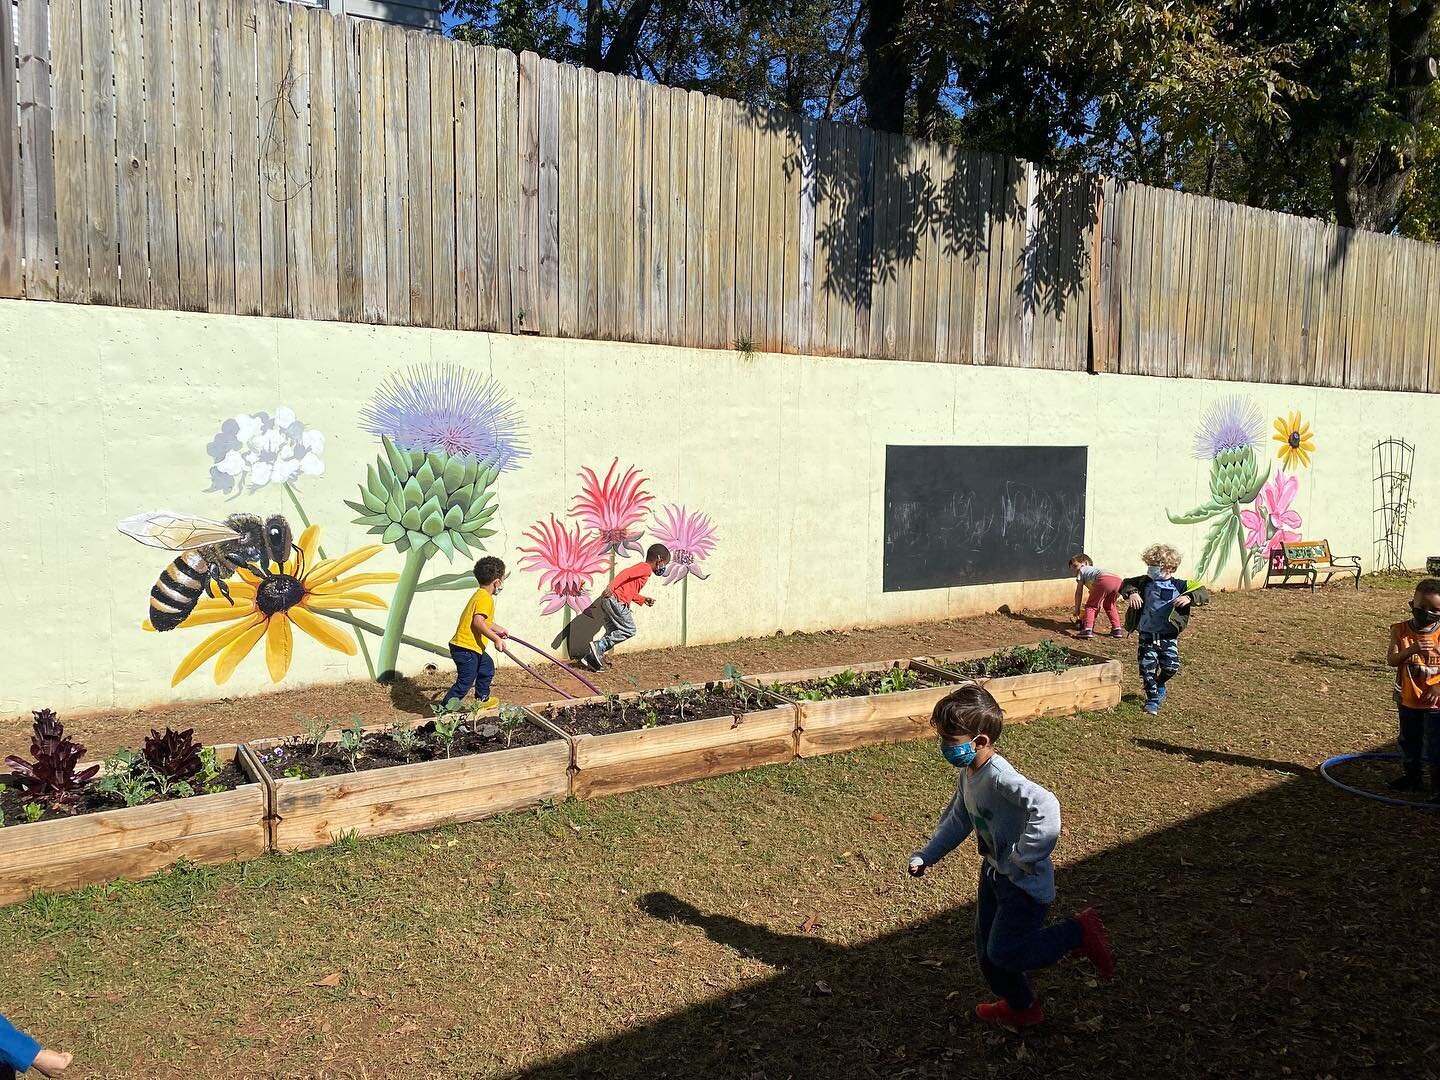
(1154, 572)
(660, 570)
(959, 756)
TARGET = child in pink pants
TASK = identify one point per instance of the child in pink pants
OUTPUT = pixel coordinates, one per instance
(1104, 589)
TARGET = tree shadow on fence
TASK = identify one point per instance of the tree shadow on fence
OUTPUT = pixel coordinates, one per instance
(1289, 933)
(891, 200)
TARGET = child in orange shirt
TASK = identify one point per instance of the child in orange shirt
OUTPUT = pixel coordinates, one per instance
(1415, 655)
(615, 604)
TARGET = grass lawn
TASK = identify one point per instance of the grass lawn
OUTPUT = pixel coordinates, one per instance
(762, 925)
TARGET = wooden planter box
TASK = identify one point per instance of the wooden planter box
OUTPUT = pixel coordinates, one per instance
(133, 841)
(827, 727)
(1093, 685)
(653, 757)
(311, 813)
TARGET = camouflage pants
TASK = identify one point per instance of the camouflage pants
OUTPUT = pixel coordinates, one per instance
(1159, 661)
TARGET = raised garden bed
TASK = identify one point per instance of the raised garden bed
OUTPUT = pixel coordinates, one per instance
(636, 740)
(1086, 682)
(840, 708)
(104, 840)
(372, 781)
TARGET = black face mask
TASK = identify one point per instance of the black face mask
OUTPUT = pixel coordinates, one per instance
(1424, 619)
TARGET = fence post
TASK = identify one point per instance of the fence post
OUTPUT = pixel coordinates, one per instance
(10, 283)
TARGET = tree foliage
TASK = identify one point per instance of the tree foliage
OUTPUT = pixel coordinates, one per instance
(1328, 108)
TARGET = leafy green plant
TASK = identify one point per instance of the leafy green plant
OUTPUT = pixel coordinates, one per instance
(897, 680)
(739, 686)
(1015, 660)
(51, 778)
(208, 776)
(684, 694)
(649, 718)
(352, 742)
(294, 772)
(316, 728)
(447, 728)
(406, 739)
(127, 778)
(510, 720)
(33, 812)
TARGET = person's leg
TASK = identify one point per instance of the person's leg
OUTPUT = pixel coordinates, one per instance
(1092, 605)
(1020, 941)
(1107, 604)
(984, 919)
(1412, 745)
(1169, 655)
(484, 675)
(1432, 750)
(619, 626)
(1147, 654)
(994, 949)
(467, 665)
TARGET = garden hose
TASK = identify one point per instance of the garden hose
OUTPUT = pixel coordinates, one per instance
(1388, 800)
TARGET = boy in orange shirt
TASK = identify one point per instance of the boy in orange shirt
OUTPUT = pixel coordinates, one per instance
(1415, 655)
(615, 604)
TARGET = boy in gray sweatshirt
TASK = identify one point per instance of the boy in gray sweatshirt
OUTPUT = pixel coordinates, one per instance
(1016, 824)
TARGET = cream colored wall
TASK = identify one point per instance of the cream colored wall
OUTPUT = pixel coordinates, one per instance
(108, 413)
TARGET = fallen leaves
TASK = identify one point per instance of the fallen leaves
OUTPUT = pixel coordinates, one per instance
(329, 981)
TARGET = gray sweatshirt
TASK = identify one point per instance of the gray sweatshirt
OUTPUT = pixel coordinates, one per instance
(1016, 823)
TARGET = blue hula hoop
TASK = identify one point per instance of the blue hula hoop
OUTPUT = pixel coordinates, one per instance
(1325, 772)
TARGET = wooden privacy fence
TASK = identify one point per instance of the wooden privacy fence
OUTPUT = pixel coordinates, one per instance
(265, 158)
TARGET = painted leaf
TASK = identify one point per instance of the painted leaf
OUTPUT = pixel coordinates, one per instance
(411, 519)
(393, 533)
(448, 582)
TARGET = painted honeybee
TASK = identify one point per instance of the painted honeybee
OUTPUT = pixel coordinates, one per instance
(211, 551)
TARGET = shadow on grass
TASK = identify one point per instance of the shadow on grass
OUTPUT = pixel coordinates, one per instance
(1246, 939)
(408, 696)
(1220, 758)
(1063, 627)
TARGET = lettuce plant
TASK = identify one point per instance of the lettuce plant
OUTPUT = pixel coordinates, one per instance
(174, 757)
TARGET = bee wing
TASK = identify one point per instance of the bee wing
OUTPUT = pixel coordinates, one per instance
(176, 532)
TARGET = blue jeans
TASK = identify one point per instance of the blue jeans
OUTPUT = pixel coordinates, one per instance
(1419, 737)
(1159, 658)
(1011, 937)
(471, 669)
(619, 625)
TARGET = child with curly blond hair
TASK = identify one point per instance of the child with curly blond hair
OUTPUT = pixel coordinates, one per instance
(1159, 607)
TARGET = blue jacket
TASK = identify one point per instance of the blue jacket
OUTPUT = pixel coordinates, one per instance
(17, 1049)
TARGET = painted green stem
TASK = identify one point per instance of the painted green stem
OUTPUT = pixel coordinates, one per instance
(1244, 552)
(400, 610)
(369, 627)
(359, 637)
(684, 607)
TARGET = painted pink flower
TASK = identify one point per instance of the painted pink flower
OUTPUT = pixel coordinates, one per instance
(690, 536)
(1271, 522)
(614, 508)
(566, 561)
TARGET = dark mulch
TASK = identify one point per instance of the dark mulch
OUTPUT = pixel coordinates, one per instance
(872, 682)
(381, 751)
(656, 709)
(12, 801)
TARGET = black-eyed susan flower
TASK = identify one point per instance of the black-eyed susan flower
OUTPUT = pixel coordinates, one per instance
(1296, 444)
(270, 607)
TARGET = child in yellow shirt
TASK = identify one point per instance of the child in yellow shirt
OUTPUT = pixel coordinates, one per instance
(473, 664)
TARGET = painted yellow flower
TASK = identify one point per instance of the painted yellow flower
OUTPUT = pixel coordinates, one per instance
(268, 607)
(1294, 436)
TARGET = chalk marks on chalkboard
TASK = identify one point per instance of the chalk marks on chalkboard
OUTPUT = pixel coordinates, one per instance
(957, 515)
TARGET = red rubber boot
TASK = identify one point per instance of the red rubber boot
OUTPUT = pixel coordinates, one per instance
(1095, 943)
(1000, 1013)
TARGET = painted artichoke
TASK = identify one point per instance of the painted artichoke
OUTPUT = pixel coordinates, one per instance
(427, 501)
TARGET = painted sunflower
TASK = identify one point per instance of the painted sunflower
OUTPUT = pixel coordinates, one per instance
(267, 607)
(1294, 436)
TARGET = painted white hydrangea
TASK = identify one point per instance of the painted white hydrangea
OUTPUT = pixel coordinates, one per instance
(253, 451)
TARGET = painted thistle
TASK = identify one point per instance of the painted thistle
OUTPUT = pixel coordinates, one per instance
(447, 434)
(566, 561)
(1230, 433)
(271, 606)
(450, 409)
(613, 507)
(690, 536)
(1293, 434)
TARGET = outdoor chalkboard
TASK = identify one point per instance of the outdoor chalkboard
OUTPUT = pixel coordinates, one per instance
(975, 515)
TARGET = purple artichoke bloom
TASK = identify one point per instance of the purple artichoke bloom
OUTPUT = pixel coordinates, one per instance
(448, 408)
(1231, 423)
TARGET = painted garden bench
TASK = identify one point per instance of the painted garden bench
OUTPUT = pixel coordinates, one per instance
(1306, 561)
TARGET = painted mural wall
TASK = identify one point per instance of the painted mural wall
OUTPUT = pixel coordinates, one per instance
(308, 498)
